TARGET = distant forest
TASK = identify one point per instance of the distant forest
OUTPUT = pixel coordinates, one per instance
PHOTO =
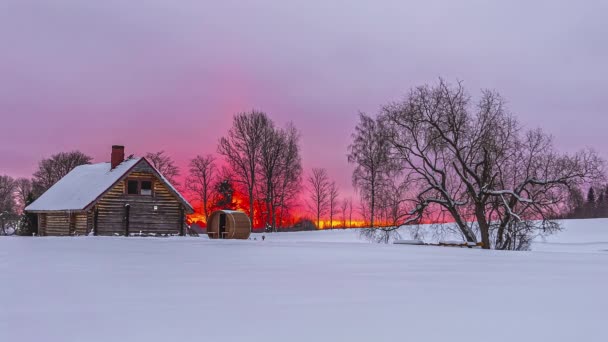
(593, 205)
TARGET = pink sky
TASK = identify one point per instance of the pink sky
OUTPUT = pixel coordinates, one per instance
(166, 75)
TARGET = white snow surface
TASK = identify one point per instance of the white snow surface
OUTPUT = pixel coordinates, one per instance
(81, 186)
(306, 286)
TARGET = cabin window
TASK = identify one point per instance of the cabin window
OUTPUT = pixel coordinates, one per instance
(139, 187)
(146, 188)
(133, 187)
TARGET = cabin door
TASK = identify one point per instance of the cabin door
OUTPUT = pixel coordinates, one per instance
(222, 225)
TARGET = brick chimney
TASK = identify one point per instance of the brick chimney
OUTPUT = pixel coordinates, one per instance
(118, 155)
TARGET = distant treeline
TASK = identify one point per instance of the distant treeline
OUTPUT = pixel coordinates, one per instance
(593, 205)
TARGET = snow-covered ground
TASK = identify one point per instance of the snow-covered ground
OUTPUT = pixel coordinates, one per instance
(308, 286)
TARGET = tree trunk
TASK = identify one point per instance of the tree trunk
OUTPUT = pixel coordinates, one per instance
(318, 215)
(468, 234)
(268, 212)
(281, 205)
(205, 210)
(251, 206)
(484, 227)
(500, 236)
(373, 204)
(251, 209)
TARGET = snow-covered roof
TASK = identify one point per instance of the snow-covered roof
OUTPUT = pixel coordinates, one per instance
(81, 186)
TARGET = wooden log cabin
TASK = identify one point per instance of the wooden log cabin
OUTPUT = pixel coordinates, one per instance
(122, 197)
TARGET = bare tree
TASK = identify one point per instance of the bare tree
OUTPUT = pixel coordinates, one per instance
(290, 172)
(333, 202)
(272, 149)
(350, 212)
(202, 177)
(241, 148)
(369, 152)
(393, 200)
(7, 194)
(23, 191)
(319, 189)
(391, 209)
(7, 202)
(471, 162)
(165, 165)
(51, 170)
(365, 212)
(280, 171)
(532, 187)
(344, 209)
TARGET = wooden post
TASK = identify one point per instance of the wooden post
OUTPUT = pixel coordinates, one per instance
(95, 221)
(181, 220)
(127, 210)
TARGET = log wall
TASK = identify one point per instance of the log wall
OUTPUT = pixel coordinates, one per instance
(142, 216)
(62, 223)
(42, 224)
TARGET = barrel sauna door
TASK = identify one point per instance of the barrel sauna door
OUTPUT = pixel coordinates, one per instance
(222, 225)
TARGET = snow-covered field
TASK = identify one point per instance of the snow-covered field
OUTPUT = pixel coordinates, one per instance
(308, 286)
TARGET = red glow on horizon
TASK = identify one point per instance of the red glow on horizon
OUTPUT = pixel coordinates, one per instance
(241, 203)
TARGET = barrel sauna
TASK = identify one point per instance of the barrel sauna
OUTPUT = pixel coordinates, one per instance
(228, 224)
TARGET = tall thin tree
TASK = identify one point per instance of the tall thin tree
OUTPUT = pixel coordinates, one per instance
(369, 152)
(290, 172)
(272, 150)
(319, 188)
(333, 202)
(202, 177)
(344, 208)
(350, 212)
(241, 148)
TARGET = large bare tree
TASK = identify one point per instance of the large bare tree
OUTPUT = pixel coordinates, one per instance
(165, 165)
(241, 149)
(200, 181)
(272, 149)
(319, 190)
(474, 163)
(290, 173)
(280, 170)
(51, 170)
(369, 152)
